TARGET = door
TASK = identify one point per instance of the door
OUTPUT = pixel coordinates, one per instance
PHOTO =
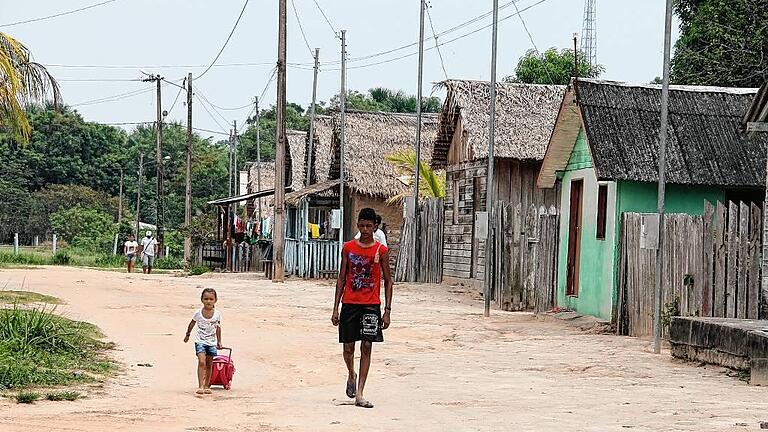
(574, 238)
(476, 206)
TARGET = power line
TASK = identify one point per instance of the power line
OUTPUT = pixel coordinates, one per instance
(530, 37)
(98, 79)
(200, 93)
(439, 53)
(210, 114)
(225, 42)
(162, 66)
(233, 108)
(333, 29)
(31, 20)
(301, 28)
(210, 131)
(261, 96)
(181, 88)
(113, 98)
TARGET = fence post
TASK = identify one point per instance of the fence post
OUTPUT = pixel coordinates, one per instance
(167, 251)
(16, 243)
(114, 247)
(36, 241)
(54, 243)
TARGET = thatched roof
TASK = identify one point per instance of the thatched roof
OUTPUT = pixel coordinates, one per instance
(323, 148)
(296, 154)
(525, 116)
(267, 176)
(707, 144)
(369, 137)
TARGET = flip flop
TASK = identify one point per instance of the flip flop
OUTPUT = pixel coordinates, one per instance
(364, 404)
(351, 390)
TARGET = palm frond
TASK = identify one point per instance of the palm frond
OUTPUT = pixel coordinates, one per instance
(431, 183)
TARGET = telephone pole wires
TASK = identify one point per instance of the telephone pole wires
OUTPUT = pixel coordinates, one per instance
(188, 191)
(278, 242)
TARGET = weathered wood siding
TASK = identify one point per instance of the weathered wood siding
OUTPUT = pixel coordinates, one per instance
(429, 267)
(514, 184)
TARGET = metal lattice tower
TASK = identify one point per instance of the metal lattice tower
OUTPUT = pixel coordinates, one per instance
(589, 32)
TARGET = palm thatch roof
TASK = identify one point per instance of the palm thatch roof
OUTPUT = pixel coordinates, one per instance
(267, 176)
(321, 160)
(369, 138)
(525, 117)
(296, 159)
(707, 144)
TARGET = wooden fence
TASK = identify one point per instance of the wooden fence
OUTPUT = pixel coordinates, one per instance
(525, 257)
(312, 259)
(711, 266)
(430, 260)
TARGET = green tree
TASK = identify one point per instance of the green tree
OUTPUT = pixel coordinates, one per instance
(387, 100)
(88, 229)
(551, 67)
(722, 43)
(295, 118)
(23, 82)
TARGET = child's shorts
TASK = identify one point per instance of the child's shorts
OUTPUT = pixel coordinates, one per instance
(209, 350)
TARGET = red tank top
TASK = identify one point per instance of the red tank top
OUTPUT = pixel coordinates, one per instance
(363, 278)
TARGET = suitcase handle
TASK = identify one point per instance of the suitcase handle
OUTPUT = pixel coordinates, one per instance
(230, 353)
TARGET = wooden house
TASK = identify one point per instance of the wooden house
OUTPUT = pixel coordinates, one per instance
(525, 116)
(370, 179)
(603, 155)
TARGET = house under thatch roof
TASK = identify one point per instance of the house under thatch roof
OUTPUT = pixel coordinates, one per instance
(525, 115)
(369, 138)
(706, 144)
(296, 159)
(323, 148)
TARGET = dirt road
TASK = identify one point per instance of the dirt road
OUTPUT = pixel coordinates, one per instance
(442, 368)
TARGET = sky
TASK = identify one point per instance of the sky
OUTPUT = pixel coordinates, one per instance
(123, 38)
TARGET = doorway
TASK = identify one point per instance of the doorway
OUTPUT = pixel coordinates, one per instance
(574, 237)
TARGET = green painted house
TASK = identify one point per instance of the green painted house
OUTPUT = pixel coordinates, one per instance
(603, 154)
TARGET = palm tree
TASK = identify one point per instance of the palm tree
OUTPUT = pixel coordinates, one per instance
(431, 182)
(22, 82)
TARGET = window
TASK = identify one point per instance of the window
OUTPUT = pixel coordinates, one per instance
(602, 210)
(456, 199)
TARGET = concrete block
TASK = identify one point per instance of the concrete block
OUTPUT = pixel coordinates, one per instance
(758, 374)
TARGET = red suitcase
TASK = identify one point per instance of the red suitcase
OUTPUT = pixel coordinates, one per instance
(223, 370)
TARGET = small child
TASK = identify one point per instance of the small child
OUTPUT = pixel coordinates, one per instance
(207, 325)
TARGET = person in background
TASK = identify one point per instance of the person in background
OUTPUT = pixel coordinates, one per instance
(129, 250)
(378, 234)
(148, 245)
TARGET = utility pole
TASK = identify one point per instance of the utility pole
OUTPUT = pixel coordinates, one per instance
(278, 239)
(229, 163)
(662, 177)
(258, 161)
(489, 180)
(235, 172)
(138, 195)
(120, 203)
(188, 191)
(311, 145)
(416, 219)
(343, 109)
(159, 165)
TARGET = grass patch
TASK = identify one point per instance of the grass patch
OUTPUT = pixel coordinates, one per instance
(169, 264)
(40, 348)
(26, 297)
(26, 397)
(63, 257)
(69, 396)
(198, 270)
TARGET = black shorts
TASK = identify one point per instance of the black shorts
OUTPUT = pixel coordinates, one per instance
(360, 322)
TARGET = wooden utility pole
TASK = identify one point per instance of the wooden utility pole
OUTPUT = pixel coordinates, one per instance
(120, 203)
(188, 191)
(311, 144)
(414, 276)
(138, 196)
(235, 172)
(662, 177)
(229, 163)
(159, 166)
(489, 179)
(278, 239)
(343, 109)
(258, 162)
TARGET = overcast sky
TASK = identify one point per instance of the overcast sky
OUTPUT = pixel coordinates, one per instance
(187, 34)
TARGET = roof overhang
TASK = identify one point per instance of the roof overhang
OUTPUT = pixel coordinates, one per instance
(295, 197)
(563, 139)
(245, 197)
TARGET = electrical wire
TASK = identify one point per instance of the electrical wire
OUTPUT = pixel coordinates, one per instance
(69, 66)
(233, 108)
(210, 114)
(89, 80)
(301, 28)
(333, 29)
(202, 95)
(437, 45)
(113, 98)
(31, 20)
(245, 5)
(261, 96)
(530, 37)
(210, 131)
(170, 110)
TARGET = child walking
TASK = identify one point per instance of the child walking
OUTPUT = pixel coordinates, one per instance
(207, 324)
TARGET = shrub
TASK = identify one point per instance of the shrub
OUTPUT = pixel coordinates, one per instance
(26, 397)
(109, 261)
(61, 258)
(198, 270)
(89, 229)
(169, 263)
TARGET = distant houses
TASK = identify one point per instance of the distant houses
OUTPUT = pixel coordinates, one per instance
(525, 116)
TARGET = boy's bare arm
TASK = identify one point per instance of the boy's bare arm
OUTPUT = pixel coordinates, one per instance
(339, 289)
(388, 288)
(189, 330)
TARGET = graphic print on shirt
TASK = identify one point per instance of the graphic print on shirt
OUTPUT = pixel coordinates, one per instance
(361, 268)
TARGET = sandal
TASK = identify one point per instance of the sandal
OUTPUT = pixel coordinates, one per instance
(351, 389)
(363, 404)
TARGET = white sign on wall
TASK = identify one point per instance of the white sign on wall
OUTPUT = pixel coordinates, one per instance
(649, 231)
(481, 225)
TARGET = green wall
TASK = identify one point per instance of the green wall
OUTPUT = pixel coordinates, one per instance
(598, 271)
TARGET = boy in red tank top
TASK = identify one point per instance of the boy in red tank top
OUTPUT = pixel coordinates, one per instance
(364, 262)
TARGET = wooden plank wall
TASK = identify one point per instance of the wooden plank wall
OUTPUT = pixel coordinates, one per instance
(525, 257)
(430, 262)
(711, 267)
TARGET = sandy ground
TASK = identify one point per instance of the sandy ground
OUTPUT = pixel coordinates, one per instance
(442, 368)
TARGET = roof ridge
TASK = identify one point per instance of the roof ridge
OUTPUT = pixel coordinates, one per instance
(677, 87)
